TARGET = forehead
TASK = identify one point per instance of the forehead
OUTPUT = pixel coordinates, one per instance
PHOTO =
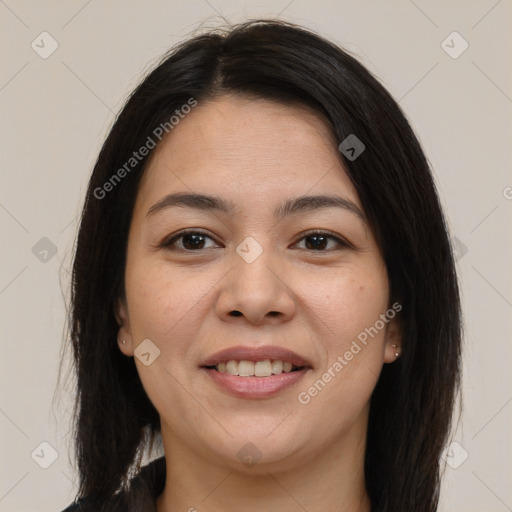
(234, 144)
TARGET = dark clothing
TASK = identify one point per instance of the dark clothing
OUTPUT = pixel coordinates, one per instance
(141, 495)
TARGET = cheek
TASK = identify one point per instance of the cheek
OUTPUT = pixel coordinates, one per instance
(166, 306)
(164, 303)
(347, 303)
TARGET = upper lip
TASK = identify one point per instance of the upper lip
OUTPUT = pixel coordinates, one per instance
(244, 353)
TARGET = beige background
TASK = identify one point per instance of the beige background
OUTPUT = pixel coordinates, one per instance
(55, 113)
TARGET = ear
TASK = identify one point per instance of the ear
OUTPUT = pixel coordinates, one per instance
(393, 341)
(124, 335)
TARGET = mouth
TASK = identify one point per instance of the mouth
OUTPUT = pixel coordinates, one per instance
(251, 373)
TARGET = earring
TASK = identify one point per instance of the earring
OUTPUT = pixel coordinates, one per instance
(397, 354)
(120, 338)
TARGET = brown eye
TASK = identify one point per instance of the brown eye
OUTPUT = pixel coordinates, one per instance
(319, 241)
(189, 241)
(316, 242)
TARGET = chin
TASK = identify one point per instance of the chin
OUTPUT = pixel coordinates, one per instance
(258, 449)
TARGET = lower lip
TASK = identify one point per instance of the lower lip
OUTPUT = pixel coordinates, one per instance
(255, 387)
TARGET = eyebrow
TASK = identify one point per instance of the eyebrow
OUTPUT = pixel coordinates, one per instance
(295, 206)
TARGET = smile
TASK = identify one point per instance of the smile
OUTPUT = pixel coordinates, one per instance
(255, 372)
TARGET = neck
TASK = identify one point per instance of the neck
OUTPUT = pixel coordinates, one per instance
(332, 479)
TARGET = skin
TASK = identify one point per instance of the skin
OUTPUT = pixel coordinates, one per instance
(255, 153)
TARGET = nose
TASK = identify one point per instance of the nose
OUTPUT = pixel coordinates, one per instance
(259, 291)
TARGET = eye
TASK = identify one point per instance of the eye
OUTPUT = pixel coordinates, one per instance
(194, 241)
(319, 240)
(189, 241)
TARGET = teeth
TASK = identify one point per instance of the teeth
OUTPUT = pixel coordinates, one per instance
(245, 368)
(277, 367)
(231, 367)
(264, 368)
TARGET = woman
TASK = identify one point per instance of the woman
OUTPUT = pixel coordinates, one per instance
(263, 277)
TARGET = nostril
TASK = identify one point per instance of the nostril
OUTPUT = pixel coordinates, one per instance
(235, 313)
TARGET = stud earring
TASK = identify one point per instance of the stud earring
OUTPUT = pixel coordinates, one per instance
(397, 354)
(120, 338)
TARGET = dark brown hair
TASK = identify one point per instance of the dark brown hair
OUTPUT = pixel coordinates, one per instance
(412, 404)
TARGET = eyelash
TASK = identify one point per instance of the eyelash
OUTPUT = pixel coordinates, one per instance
(168, 243)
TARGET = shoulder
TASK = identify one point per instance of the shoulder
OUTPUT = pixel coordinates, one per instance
(140, 496)
(80, 506)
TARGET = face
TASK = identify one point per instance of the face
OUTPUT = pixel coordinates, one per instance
(258, 279)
